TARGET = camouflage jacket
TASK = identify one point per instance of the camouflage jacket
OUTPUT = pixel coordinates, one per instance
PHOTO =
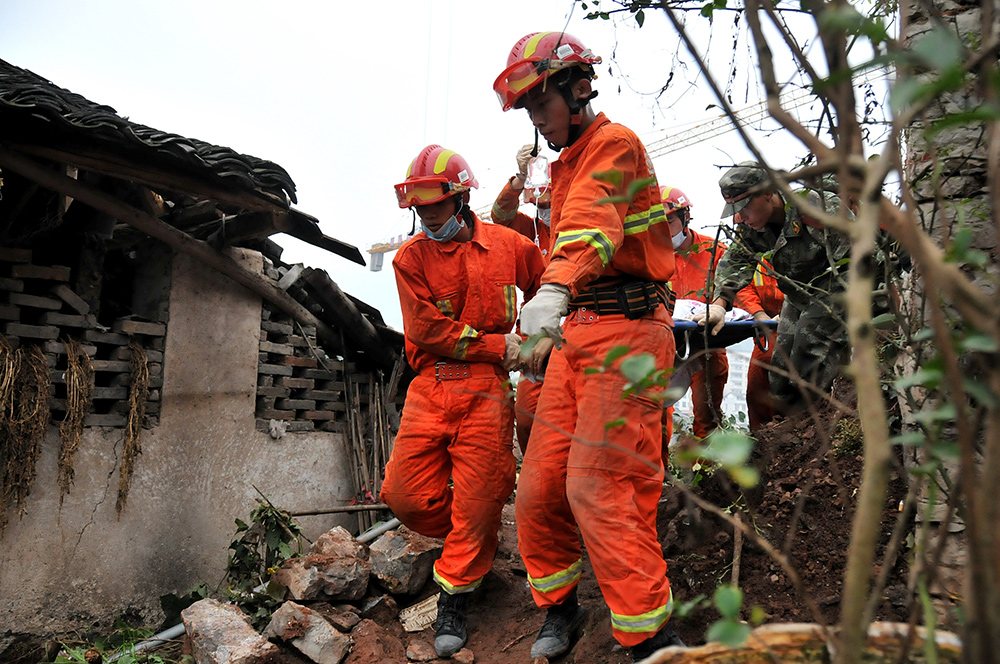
(808, 262)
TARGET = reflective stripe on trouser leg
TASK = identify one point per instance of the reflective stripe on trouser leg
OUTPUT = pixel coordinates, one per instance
(615, 475)
(547, 535)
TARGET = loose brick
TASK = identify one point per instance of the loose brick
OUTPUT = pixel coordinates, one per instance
(266, 391)
(67, 320)
(338, 406)
(319, 415)
(332, 373)
(37, 332)
(110, 338)
(153, 408)
(293, 361)
(126, 326)
(66, 294)
(277, 349)
(276, 414)
(34, 301)
(11, 285)
(117, 366)
(10, 312)
(52, 273)
(265, 381)
(274, 370)
(59, 348)
(299, 426)
(116, 392)
(13, 255)
(104, 420)
(265, 403)
(298, 342)
(154, 395)
(295, 404)
(322, 395)
(333, 426)
(276, 327)
(285, 380)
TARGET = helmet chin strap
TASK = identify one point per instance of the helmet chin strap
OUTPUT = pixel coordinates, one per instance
(576, 106)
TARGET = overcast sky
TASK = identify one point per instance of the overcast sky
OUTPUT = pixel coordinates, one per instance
(344, 95)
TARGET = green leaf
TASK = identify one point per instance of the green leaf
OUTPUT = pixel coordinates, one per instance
(884, 320)
(640, 17)
(979, 343)
(746, 476)
(944, 413)
(241, 526)
(939, 49)
(757, 616)
(729, 448)
(909, 438)
(615, 177)
(924, 376)
(728, 633)
(590, 371)
(980, 392)
(729, 599)
(638, 367)
(614, 423)
(614, 354)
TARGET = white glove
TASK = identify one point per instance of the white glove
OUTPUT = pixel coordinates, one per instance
(512, 352)
(543, 312)
(714, 316)
(523, 157)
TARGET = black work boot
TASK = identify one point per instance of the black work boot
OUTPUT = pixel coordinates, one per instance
(561, 621)
(665, 638)
(449, 628)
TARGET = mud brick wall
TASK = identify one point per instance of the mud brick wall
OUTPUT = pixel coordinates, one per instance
(38, 307)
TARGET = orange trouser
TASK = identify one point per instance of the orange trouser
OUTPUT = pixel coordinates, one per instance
(708, 412)
(605, 481)
(524, 409)
(463, 430)
(760, 409)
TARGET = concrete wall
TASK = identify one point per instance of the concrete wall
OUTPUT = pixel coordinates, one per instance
(70, 568)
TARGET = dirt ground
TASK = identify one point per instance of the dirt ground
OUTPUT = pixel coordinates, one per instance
(810, 470)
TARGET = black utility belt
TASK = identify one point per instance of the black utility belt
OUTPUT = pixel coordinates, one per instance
(632, 298)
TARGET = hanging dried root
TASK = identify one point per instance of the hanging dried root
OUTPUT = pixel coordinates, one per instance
(24, 379)
(79, 390)
(137, 395)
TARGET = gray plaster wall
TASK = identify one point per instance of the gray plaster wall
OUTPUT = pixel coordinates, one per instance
(76, 566)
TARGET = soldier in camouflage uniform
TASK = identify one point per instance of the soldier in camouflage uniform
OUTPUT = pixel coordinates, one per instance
(808, 262)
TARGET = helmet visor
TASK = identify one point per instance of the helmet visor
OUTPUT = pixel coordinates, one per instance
(517, 79)
(426, 190)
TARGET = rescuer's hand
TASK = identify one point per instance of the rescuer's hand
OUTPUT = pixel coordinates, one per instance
(713, 317)
(543, 312)
(533, 360)
(512, 352)
(523, 157)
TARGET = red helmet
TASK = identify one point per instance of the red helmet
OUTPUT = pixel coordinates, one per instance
(674, 199)
(433, 176)
(534, 58)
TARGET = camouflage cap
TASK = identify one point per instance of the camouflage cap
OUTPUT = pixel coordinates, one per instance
(736, 183)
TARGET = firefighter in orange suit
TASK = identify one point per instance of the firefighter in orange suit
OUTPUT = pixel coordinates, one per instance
(506, 212)
(608, 270)
(456, 282)
(763, 299)
(695, 257)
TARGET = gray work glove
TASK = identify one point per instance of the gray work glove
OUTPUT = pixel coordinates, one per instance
(543, 312)
(523, 157)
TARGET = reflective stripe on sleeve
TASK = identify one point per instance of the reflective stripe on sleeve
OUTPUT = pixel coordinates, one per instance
(510, 303)
(592, 236)
(462, 347)
(641, 221)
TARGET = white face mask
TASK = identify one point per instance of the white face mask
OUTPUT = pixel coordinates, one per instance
(449, 230)
(678, 239)
(545, 215)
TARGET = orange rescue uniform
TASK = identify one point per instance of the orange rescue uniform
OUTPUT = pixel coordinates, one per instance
(577, 473)
(506, 213)
(458, 300)
(761, 295)
(709, 383)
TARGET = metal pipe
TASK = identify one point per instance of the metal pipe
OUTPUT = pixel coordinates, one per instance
(371, 534)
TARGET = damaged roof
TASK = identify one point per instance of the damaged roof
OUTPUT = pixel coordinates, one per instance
(33, 109)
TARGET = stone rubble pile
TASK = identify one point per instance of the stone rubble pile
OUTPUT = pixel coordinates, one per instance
(340, 592)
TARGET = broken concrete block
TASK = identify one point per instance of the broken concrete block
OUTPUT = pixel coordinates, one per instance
(378, 644)
(382, 609)
(420, 651)
(342, 616)
(464, 656)
(402, 560)
(325, 577)
(309, 632)
(338, 542)
(222, 633)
